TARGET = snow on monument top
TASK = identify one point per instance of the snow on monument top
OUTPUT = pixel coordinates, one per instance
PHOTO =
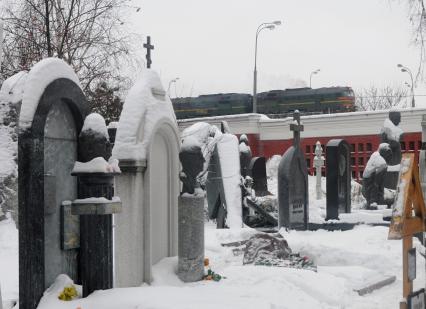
(41, 75)
(145, 106)
(13, 87)
(95, 122)
(392, 131)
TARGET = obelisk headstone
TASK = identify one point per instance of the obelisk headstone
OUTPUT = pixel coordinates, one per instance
(318, 164)
(293, 196)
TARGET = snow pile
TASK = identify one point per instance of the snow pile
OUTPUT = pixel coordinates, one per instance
(96, 123)
(392, 131)
(9, 267)
(145, 107)
(346, 260)
(10, 96)
(113, 125)
(97, 200)
(12, 88)
(97, 165)
(244, 148)
(376, 164)
(41, 75)
(230, 167)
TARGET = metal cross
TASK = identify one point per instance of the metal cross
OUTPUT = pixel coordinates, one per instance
(148, 47)
(296, 127)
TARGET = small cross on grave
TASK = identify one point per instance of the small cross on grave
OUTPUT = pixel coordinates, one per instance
(296, 127)
(148, 47)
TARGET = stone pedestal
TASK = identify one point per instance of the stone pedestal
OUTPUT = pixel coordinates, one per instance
(191, 238)
(96, 260)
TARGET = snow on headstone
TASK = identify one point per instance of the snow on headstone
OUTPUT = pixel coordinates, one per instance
(96, 123)
(12, 88)
(41, 75)
(230, 165)
(146, 101)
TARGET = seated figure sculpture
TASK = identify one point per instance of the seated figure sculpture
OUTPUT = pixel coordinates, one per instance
(374, 176)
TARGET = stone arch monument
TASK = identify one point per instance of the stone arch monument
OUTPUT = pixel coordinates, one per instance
(51, 117)
(147, 146)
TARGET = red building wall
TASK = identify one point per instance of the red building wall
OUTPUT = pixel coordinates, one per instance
(362, 146)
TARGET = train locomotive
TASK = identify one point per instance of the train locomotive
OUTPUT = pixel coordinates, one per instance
(274, 103)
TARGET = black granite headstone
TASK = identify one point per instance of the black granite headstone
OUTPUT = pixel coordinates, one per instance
(215, 191)
(47, 151)
(338, 172)
(192, 161)
(257, 171)
(293, 193)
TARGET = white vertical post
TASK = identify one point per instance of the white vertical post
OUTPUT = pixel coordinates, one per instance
(318, 164)
(422, 171)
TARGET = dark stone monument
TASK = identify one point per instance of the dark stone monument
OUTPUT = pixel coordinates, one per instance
(95, 216)
(215, 190)
(245, 155)
(257, 171)
(338, 178)
(192, 161)
(293, 194)
(191, 216)
(47, 150)
(374, 176)
(392, 135)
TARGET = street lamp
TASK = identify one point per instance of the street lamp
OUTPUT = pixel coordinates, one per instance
(405, 69)
(270, 26)
(174, 80)
(310, 77)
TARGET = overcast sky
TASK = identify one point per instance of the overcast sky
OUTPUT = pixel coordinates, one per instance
(209, 44)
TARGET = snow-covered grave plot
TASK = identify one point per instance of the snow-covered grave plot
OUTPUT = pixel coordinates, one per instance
(345, 260)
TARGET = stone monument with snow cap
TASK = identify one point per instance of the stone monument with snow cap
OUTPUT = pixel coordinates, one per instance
(293, 198)
(95, 204)
(147, 146)
(392, 134)
(52, 113)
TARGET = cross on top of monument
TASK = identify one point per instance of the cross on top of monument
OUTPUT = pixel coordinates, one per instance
(296, 127)
(148, 47)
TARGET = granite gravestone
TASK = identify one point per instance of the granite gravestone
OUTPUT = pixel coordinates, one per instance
(245, 155)
(293, 199)
(257, 171)
(338, 171)
(96, 255)
(147, 145)
(191, 213)
(47, 150)
(392, 134)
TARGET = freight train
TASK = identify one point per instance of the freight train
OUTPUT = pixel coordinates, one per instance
(274, 103)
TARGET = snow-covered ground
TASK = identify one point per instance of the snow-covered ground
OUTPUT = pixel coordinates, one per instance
(346, 261)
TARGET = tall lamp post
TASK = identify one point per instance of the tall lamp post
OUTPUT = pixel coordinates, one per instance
(310, 77)
(405, 69)
(174, 80)
(270, 26)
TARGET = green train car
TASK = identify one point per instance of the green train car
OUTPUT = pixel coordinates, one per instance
(274, 103)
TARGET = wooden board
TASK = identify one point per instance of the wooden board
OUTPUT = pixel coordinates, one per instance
(408, 210)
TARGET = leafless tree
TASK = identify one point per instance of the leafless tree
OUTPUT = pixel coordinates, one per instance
(90, 35)
(417, 16)
(374, 98)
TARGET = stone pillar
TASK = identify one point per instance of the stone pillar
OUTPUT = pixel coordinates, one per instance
(96, 237)
(191, 237)
(318, 164)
